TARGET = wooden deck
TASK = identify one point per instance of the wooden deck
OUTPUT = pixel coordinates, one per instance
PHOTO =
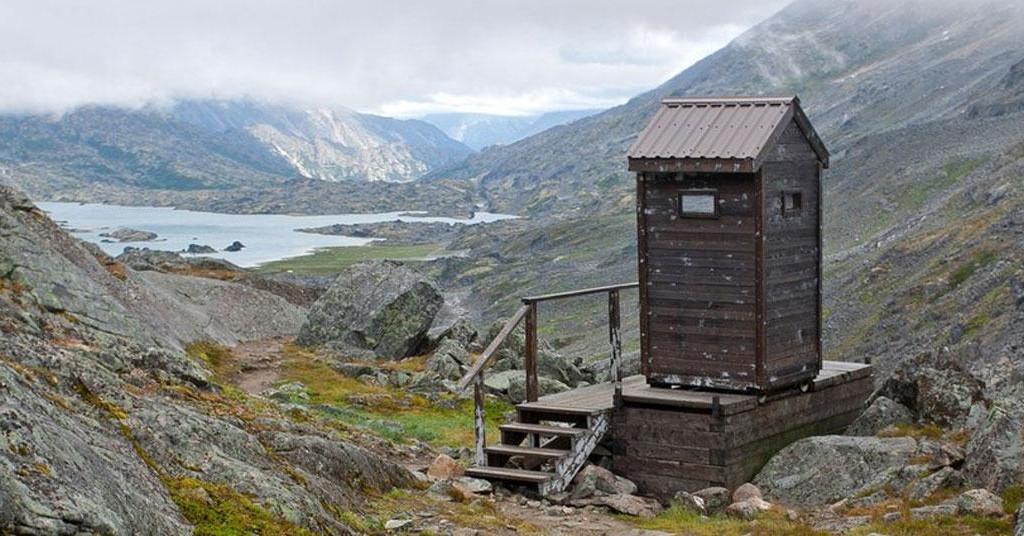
(597, 398)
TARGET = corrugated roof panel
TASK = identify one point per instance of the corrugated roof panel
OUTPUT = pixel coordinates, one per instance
(724, 128)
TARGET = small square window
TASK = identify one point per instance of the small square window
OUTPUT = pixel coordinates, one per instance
(699, 204)
(791, 204)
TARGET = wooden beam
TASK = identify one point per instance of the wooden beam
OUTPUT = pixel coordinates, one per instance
(693, 165)
(531, 352)
(492, 348)
(616, 343)
(480, 421)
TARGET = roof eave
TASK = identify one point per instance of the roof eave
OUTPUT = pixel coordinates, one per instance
(691, 165)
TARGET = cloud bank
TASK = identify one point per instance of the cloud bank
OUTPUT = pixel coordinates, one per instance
(403, 58)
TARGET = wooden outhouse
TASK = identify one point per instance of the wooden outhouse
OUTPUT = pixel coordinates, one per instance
(729, 238)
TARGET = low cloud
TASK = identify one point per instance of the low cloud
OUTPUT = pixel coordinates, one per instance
(387, 56)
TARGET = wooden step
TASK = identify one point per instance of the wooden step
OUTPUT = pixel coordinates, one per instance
(503, 473)
(529, 452)
(542, 429)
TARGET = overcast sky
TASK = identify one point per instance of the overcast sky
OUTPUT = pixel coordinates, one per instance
(401, 58)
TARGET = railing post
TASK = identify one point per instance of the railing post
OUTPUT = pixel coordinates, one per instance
(480, 420)
(616, 344)
(531, 352)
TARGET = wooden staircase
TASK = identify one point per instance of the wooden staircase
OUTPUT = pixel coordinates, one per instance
(543, 450)
(551, 441)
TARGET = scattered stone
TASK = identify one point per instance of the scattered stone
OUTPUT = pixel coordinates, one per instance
(979, 502)
(936, 510)
(545, 386)
(196, 249)
(382, 306)
(995, 453)
(877, 497)
(746, 491)
(892, 517)
(288, 393)
(444, 467)
(473, 485)
(596, 480)
(689, 502)
(130, 235)
(716, 499)
(748, 509)
(448, 360)
(1020, 521)
(936, 387)
(927, 486)
(395, 524)
(235, 246)
(443, 489)
(625, 504)
(882, 413)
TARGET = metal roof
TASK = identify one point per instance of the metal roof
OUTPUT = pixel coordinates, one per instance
(724, 128)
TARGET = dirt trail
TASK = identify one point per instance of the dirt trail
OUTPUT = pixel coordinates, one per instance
(259, 364)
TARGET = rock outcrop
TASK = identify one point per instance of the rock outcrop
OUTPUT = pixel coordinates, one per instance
(107, 427)
(882, 413)
(936, 387)
(822, 470)
(995, 452)
(130, 235)
(383, 307)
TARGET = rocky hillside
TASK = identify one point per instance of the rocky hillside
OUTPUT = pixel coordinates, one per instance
(198, 150)
(919, 104)
(98, 398)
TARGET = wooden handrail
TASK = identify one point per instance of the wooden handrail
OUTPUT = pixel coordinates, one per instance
(492, 348)
(528, 310)
(581, 292)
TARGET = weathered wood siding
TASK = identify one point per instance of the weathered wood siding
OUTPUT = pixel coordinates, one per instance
(792, 263)
(698, 300)
(667, 449)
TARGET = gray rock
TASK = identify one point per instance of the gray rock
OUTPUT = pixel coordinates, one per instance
(545, 386)
(395, 524)
(595, 480)
(689, 502)
(936, 387)
(289, 393)
(473, 485)
(624, 504)
(130, 235)
(927, 486)
(995, 452)
(197, 249)
(716, 499)
(748, 508)
(448, 360)
(937, 510)
(882, 412)
(822, 470)
(746, 491)
(381, 306)
(979, 502)
(235, 246)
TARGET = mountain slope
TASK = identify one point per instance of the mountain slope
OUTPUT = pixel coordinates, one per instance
(916, 101)
(331, 145)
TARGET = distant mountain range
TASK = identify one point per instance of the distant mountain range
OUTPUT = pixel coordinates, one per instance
(215, 145)
(482, 130)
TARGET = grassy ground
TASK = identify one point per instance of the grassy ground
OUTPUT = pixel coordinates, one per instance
(387, 411)
(331, 260)
(680, 521)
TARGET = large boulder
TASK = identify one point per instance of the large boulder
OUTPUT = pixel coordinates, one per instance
(381, 306)
(995, 452)
(882, 413)
(936, 387)
(823, 470)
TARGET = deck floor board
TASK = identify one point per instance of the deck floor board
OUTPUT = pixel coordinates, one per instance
(598, 398)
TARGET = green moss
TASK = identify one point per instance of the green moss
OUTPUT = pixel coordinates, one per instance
(216, 357)
(1012, 498)
(942, 526)
(681, 521)
(962, 274)
(332, 260)
(219, 510)
(927, 431)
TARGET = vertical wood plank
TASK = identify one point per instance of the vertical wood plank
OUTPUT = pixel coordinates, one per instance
(616, 343)
(761, 347)
(821, 261)
(531, 353)
(480, 421)
(641, 241)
